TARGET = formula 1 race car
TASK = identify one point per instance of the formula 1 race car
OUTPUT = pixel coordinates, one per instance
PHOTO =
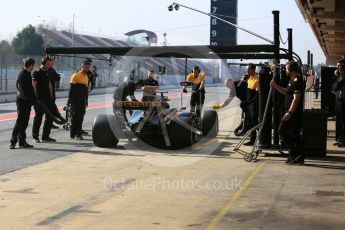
(154, 123)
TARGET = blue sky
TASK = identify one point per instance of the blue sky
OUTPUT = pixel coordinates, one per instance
(183, 27)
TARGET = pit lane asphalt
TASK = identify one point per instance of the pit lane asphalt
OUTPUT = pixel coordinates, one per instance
(129, 187)
(12, 160)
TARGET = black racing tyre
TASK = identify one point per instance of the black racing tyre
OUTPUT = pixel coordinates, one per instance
(242, 128)
(209, 123)
(55, 117)
(180, 132)
(102, 132)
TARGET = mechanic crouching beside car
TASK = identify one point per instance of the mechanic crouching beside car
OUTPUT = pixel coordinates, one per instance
(127, 89)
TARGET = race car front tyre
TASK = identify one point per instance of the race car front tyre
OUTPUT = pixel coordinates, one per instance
(209, 123)
(103, 131)
(180, 132)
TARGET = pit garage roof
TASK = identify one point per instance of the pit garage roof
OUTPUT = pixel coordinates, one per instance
(327, 20)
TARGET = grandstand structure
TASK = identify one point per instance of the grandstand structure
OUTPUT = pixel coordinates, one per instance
(176, 67)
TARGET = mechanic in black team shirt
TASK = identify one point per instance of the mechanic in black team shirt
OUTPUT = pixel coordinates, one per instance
(150, 87)
(41, 81)
(290, 127)
(25, 99)
(127, 89)
(54, 79)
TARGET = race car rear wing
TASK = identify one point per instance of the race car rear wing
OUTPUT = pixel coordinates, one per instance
(137, 105)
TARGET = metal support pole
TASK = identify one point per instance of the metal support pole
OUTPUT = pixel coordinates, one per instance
(277, 113)
(289, 30)
(311, 61)
(276, 35)
(185, 69)
(1, 66)
(72, 58)
(6, 77)
(308, 57)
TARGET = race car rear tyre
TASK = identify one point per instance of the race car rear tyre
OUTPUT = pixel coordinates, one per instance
(209, 123)
(180, 132)
(102, 131)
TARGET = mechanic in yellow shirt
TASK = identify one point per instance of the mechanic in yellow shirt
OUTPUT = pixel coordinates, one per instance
(78, 98)
(252, 104)
(197, 78)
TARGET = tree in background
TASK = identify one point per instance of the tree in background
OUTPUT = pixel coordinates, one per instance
(7, 54)
(5, 47)
(28, 42)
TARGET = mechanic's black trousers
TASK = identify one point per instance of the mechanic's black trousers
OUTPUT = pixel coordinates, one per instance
(252, 122)
(78, 112)
(196, 103)
(290, 132)
(340, 118)
(23, 111)
(38, 120)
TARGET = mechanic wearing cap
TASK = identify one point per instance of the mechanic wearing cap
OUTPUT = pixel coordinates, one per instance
(251, 105)
(42, 85)
(25, 99)
(290, 127)
(150, 87)
(78, 98)
(339, 89)
(197, 78)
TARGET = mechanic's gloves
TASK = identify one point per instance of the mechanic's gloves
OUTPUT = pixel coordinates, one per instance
(244, 104)
(216, 106)
(184, 90)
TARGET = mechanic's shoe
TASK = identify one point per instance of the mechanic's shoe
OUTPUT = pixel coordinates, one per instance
(26, 146)
(299, 160)
(12, 146)
(36, 140)
(249, 143)
(49, 139)
(288, 160)
(83, 132)
(341, 144)
(339, 141)
(79, 138)
(54, 127)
